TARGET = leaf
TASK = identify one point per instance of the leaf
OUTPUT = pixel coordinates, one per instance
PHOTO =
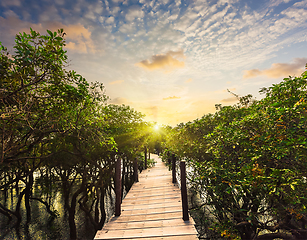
(50, 33)
(276, 104)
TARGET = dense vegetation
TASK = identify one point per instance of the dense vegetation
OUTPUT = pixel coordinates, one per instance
(59, 135)
(249, 163)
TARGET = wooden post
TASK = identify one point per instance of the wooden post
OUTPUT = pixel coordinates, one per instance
(174, 168)
(136, 170)
(123, 180)
(184, 195)
(118, 186)
(145, 157)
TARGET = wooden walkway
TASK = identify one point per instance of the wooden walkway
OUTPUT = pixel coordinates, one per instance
(151, 210)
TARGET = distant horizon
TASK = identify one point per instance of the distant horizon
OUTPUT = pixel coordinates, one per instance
(172, 60)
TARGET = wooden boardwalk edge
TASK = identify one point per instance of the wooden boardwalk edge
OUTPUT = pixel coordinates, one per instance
(151, 210)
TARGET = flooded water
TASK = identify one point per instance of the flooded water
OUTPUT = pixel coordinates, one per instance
(43, 227)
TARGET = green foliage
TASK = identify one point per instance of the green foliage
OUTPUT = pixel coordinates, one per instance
(151, 162)
(250, 162)
(56, 124)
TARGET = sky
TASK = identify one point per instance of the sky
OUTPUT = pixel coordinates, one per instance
(172, 60)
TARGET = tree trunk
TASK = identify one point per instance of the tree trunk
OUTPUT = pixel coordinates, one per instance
(102, 209)
(17, 209)
(72, 212)
(28, 193)
(72, 224)
(5, 190)
(6, 212)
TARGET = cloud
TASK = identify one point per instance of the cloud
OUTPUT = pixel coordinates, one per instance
(78, 38)
(76, 34)
(278, 70)
(171, 98)
(217, 38)
(230, 100)
(162, 61)
(118, 1)
(110, 20)
(134, 12)
(151, 112)
(119, 101)
(174, 112)
(6, 3)
(10, 13)
(300, 4)
(59, 2)
(52, 14)
(252, 73)
(152, 109)
(116, 82)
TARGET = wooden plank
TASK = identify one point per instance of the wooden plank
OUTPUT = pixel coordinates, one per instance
(159, 195)
(149, 217)
(153, 198)
(148, 224)
(151, 210)
(189, 237)
(147, 232)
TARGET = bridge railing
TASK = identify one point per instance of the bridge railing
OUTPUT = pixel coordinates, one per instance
(176, 178)
(179, 177)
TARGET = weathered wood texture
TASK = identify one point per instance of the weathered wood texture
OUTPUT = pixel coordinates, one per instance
(151, 210)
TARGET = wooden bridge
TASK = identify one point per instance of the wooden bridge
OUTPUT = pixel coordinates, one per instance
(151, 210)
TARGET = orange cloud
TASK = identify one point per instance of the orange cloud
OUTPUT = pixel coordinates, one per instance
(189, 80)
(171, 98)
(78, 37)
(230, 100)
(278, 70)
(251, 73)
(116, 82)
(161, 61)
(230, 89)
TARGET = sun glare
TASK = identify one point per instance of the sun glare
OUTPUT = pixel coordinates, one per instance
(156, 127)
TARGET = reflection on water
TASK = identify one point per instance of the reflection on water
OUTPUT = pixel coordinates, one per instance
(42, 225)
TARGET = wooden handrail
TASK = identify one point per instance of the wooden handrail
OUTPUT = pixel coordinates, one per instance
(118, 186)
(184, 195)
